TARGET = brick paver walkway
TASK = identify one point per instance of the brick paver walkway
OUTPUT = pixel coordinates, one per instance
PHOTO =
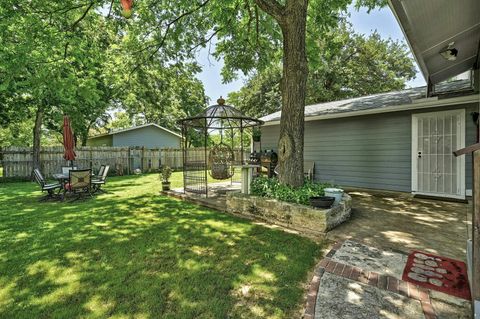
(383, 282)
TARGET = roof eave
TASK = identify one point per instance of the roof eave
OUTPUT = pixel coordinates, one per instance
(136, 128)
(399, 15)
(427, 103)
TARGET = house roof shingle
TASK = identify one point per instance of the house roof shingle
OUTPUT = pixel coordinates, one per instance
(135, 128)
(377, 101)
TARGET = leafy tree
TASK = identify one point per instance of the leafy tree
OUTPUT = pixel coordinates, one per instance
(18, 134)
(293, 18)
(161, 95)
(349, 65)
(120, 120)
(250, 33)
(261, 94)
(52, 57)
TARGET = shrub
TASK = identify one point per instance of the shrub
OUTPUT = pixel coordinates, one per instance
(165, 173)
(272, 188)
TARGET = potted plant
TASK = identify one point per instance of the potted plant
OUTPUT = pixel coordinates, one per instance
(165, 174)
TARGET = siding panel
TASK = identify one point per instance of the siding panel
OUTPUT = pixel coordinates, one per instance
(372, 151)
(100, 141)
(149, 136)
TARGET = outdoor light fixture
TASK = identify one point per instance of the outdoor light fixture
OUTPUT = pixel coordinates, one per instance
(449, 53)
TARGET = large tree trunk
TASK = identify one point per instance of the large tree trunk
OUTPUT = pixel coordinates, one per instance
(294, 86)
(37, 131)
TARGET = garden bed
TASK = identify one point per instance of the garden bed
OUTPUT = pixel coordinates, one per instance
(302, 218)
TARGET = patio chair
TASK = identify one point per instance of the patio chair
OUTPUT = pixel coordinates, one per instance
(80, 182)
(309, 169)
(99, 174)
(49, 188)
(101, 180)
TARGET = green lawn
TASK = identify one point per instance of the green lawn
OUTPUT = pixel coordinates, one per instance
(135, 254)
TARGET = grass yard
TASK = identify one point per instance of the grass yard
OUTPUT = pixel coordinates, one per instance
(135, 254)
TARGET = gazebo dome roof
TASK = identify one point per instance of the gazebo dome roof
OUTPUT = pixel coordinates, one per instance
(220, 116)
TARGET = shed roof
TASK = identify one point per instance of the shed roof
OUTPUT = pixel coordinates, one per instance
(376, 103)
(136, 128)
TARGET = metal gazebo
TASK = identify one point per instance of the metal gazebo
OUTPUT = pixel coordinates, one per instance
(201, 156)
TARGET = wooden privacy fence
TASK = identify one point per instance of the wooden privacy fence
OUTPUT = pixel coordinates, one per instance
(17, 161)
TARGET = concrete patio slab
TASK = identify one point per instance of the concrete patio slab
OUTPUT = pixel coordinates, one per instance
(397, 221)
(339, 297)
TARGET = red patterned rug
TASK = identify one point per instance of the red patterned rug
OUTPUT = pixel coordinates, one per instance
(437, 273)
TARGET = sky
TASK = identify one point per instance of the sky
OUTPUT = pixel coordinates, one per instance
(381, 20)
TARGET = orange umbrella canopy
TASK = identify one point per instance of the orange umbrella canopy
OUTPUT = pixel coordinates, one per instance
(68, 140)
(127, 8)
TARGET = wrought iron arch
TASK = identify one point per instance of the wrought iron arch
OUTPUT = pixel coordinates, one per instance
(200, 158)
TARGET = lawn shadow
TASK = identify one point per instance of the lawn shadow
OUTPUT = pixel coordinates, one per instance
(134, 253)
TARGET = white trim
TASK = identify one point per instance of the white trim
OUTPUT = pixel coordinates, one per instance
(411, 44)
(413, 39)
(461, 144)
(463, 130)
(137, 127)
(426, 104)
(414, 153)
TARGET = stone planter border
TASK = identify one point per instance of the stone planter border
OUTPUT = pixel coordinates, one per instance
(302, 218)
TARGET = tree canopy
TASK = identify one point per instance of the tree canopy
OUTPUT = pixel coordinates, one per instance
(83, 58)
(80, 59)
(343, 64)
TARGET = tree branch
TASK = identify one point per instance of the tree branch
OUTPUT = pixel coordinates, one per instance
(72, 28)
(83, 15)
(110, 10)
(273, 8)
(167, 30)
(206, 40)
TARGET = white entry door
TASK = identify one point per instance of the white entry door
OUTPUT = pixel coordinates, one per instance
(435, 171)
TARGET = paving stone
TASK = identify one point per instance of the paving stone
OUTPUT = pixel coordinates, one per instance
(339, 269)
(373, 279)
(330, 266)
(437, 295)
(403, 288)
(392, 284)
(445, 310)
(339, 297)
(371, 259)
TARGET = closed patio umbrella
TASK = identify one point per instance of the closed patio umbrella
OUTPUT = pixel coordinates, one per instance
(68, 141)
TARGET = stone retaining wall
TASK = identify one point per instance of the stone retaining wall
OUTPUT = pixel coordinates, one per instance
(306, 219)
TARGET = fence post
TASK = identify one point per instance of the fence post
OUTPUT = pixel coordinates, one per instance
(128, 161)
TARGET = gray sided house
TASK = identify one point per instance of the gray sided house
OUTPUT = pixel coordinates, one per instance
(400, 141)
(148, 135)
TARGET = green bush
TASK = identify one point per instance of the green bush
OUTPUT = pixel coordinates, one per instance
(165, 173)
(272, 188)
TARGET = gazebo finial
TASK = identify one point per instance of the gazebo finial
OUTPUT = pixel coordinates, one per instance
(221, 101)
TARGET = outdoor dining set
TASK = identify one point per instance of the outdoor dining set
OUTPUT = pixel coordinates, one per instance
(73, 182)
